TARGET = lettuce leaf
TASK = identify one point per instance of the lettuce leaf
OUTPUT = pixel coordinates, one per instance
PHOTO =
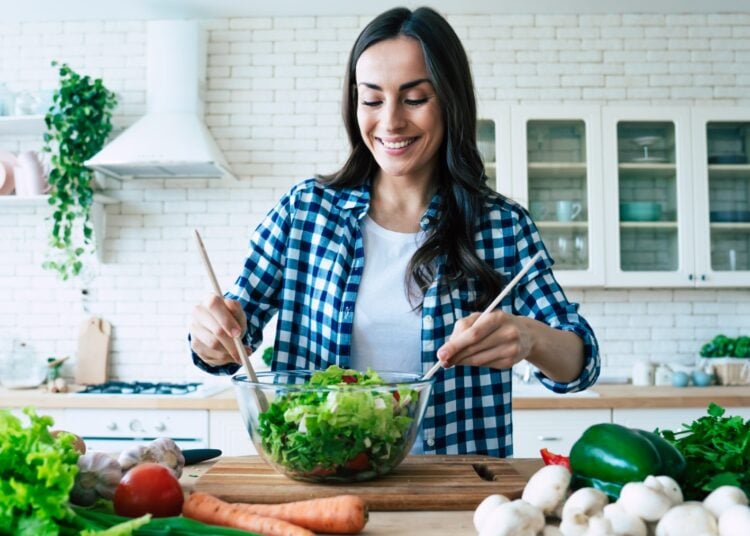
(37, 472)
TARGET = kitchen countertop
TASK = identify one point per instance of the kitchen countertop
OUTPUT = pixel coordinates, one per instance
(610, 396)
(435, 523)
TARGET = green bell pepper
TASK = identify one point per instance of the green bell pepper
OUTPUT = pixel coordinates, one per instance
(607, 456)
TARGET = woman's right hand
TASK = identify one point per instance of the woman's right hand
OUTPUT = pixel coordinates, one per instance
(214, 324)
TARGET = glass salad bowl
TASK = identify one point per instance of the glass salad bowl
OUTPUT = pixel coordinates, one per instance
(335, 425)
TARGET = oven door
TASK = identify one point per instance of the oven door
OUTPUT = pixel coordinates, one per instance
(112, 430)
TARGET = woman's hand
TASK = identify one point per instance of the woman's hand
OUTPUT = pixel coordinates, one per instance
(498, 341)
(214, 324)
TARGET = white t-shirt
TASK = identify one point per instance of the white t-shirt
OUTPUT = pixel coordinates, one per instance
(386, 334)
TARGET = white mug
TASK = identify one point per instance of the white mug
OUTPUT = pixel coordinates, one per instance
(567, 210)
(538, 210)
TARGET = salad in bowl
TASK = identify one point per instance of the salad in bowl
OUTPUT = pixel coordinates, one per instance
(336, 425)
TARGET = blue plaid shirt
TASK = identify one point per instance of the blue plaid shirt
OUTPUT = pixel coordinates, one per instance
(305, 263)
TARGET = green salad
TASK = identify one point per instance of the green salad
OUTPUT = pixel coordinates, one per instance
(342, 430)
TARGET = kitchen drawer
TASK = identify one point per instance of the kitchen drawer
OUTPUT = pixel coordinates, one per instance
(556, 430)
(666, 419)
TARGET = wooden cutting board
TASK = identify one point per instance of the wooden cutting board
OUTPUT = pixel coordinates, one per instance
(93, 351)
(419, 483)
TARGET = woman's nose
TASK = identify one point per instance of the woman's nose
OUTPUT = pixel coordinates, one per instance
(393, 116)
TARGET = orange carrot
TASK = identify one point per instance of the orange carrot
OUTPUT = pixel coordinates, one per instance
(212, 510)
(342, 514)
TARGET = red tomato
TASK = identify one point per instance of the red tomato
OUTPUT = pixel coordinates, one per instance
(349, 379)
(149, 488)
(359, 463)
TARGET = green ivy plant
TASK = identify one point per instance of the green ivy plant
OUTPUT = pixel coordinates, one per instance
(78, 123)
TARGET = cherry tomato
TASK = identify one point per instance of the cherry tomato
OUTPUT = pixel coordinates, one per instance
(349, 379)
(359, 463)
(149, 488)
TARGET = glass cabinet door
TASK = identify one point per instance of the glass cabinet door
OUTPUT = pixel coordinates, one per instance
(722, 146)
(493, 142)
(558, 179)
(648, 200)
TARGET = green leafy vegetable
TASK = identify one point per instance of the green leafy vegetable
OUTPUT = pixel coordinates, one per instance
(37, 472)
(717, 451)
(342, 429)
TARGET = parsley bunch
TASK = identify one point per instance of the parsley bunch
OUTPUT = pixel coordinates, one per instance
(37, 472)
(717, 451)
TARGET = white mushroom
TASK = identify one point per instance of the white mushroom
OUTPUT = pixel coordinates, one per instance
(516, 518)
(551, 530)
(587, 501)
(643, 501)
(485, 507)
(624, 523)
(722, 498)
(687, 519)
(598, 526)
(666, 485)
(735, 521)
(547, 488)
(579, 524)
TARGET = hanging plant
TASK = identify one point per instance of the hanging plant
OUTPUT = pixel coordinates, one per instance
(78, 123)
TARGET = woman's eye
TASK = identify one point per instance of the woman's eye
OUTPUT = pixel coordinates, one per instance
(415, 102)
(371, 103)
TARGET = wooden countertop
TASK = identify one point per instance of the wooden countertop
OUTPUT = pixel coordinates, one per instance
(610, 397)
(435, 523)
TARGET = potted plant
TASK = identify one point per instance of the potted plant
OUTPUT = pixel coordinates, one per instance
(78, 123)
(730, 358)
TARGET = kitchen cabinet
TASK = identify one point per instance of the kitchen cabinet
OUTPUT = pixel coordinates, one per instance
(648, 197)
(556, 167)
(666, 419)
(228, 433)
(721, 174)
(556, 430)
(629, 197)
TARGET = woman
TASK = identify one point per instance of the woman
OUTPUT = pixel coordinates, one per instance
(387, 262)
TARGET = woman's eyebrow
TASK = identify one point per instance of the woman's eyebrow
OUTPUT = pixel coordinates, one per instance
(405, 85)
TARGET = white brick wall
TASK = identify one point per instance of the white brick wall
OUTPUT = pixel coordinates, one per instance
(273, 101)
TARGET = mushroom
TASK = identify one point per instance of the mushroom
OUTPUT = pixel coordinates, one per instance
(624, 523)
(735, 521)
(515, 518)
(687, 519)
(668, 486)
(551, 530)
(598, 526)
(547, 488)
(722, 498)
(644, 501)
(587, 501)
(485, 507)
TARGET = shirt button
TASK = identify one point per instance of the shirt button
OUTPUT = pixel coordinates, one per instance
(431, 442)
(425, 222)
(428, 321)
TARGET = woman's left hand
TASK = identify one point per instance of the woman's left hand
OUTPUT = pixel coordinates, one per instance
(499, 341)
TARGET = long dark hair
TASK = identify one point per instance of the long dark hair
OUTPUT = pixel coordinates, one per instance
(461, 180)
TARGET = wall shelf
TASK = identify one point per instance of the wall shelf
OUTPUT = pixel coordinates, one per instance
(98, 213)
(22, 125)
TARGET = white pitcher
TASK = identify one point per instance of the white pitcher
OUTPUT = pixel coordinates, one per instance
(29, 175)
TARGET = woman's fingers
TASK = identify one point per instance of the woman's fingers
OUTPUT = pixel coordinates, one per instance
(210, 348)
(215, 323)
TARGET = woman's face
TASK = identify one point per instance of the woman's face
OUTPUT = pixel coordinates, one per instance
(398, 112)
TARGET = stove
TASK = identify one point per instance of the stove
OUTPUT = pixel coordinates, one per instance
(182, 389)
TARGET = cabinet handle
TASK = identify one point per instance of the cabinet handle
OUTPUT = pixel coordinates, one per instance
(691, 277)
(703, 277)
(548, 438)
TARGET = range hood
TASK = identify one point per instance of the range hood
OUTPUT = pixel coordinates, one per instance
(171, 140)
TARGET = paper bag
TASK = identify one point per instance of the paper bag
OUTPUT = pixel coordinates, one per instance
(93, 351)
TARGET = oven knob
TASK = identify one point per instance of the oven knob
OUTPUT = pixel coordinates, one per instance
(160, 427)
(112, 426)
(136, 426)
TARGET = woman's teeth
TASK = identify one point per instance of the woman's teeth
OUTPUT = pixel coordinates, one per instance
(397, 144)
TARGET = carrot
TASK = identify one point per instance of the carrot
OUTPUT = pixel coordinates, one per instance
(342, 514)
(212, 510)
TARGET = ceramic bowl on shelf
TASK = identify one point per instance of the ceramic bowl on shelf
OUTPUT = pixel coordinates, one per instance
(344, 432)
(640, 211)
(728, 216)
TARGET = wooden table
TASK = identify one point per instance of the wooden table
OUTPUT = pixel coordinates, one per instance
(455, 523)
